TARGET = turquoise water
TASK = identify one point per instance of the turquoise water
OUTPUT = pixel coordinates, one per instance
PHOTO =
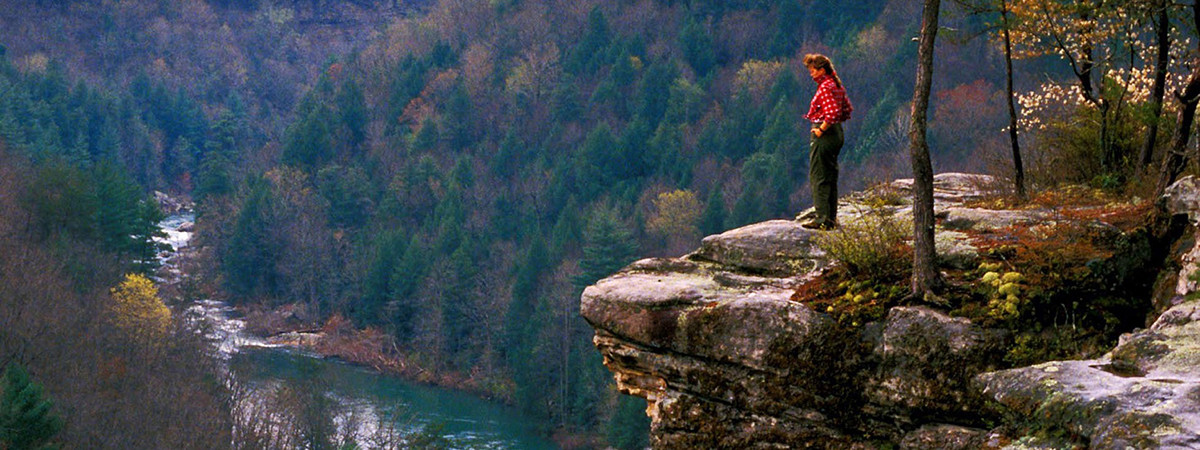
(467, 421)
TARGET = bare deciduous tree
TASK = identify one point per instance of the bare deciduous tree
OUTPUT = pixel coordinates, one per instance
(925, 278)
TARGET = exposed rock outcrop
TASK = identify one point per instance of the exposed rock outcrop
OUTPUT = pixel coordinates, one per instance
(1145, 393)
(173, 205)
(725, 359)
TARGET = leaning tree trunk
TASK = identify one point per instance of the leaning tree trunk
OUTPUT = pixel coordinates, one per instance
(1018, 168)
(1158, 91)
(925, 278)
(1176, 159)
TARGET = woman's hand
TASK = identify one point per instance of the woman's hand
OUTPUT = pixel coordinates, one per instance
(817, 132)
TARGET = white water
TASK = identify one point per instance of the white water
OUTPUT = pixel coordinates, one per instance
(366, 401)
(217, 316)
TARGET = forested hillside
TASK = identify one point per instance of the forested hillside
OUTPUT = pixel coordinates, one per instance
(457, 183)
(101, 102)
(452, 174)
(181, 69)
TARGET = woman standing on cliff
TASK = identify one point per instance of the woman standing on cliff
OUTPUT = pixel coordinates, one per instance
(828, 110)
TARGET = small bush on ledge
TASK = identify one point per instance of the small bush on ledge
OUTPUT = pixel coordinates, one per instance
(873, 246)
(1065, 286)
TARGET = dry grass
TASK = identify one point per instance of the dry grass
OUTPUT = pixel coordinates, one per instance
(874, 245)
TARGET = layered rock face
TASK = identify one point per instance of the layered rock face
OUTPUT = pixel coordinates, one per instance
(725, 359)
(713, 348)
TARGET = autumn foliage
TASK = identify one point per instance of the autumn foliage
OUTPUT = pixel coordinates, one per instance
(137, 310)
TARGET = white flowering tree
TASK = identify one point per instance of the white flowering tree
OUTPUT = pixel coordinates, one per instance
(1102, 41)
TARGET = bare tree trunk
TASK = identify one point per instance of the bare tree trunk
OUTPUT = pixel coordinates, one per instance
(1160, 80)
(1018, 168)
(926, 278)
(1176, 159)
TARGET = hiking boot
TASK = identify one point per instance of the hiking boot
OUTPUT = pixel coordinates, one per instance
(818, 224)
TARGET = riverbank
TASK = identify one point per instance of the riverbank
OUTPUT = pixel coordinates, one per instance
(336, 337)
(372, 382)
(184, 278)
(186, 274)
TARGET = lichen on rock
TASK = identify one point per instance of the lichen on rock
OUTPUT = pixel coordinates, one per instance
(726, 359)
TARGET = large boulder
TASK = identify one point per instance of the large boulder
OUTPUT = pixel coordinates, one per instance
(1183, 197)
(694, 314)
(925, 361)
(959, 217)
(775, 247)
(714, 352)
(953, 187)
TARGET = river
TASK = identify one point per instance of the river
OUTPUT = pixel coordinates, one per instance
(362, 400)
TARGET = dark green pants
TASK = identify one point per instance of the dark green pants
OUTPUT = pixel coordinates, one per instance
(823, 172)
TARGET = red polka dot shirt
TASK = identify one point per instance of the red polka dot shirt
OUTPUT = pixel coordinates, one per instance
(829, 105)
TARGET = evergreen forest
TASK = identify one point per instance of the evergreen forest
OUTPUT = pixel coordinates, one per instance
(451, 174)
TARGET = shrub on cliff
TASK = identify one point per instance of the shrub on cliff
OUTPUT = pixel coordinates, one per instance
(873, 245)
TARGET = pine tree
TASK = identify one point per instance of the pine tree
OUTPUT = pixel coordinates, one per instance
(405, 279)
(765, 187)
(517, 328)
(597, 166)
(389, 249)
(629, 427)
(697, 46)
(509, 156)
(608, 246)
(589, 52)
(309, 142)
(458, 301)
(427, 137)
(567, 231)
(786, 39)
(458, 118)
(26, 417)
(781, 138)
(352, 113)
(713, 219)
(635, 158)
(215, 177)
(125, 221)
(654, 91)
(348, 191)
(248, 259)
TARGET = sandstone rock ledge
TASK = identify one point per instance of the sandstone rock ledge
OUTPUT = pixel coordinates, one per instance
(725, 359)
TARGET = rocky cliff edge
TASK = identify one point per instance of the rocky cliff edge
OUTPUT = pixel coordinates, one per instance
(726, 359)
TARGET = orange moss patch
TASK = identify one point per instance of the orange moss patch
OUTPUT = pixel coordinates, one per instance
(1078, 203)
(1055, 260)
(850, 300)
(1125, 216)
